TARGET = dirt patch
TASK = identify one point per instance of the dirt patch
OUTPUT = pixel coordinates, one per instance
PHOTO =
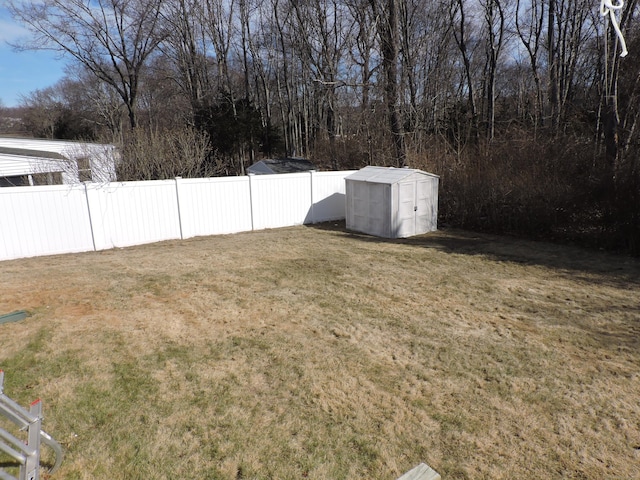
(312, 352)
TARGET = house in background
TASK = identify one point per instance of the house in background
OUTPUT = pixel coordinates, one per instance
(25, 162)
(281, 165)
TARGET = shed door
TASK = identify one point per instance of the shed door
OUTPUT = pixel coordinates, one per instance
(427, 212)
(406, 209)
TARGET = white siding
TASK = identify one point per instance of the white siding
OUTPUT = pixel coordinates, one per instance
(14, 165)
(102, 158)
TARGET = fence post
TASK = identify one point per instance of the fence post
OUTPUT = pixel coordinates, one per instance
(86, 196)
(178, 202)
(250, 175)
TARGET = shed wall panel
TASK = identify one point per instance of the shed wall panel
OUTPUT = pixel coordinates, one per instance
(368, 208)
(360, 207)
(379, 209)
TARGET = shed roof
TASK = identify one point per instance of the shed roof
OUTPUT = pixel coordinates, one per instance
(281, 165)
(387, 175)
(63, 148)
(23, 152)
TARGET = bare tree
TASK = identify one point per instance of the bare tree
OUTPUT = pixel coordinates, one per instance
(284, 75)
(630, 81)
(386, 14)
(105, 103)
(113, 39)
(567, 31)
(494, 17)
(529, 27)
(186, 46)
(325, 28)
(460, 30)
(365, 43)
(218, 22)
(262, 50)
(364, 63)
(428, 56)
(162, 154)
(42, 111)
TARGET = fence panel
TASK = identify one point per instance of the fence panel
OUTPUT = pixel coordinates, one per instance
(212, 206)
(133, 213)
(280, 200)
(44, 220)
(64, 219)
(328, 201)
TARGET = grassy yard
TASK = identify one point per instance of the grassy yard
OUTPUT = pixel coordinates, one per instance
(311, 352)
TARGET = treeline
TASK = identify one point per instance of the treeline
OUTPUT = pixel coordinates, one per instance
(525, 109)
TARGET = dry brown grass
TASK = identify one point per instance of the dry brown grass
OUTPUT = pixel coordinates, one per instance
(311, 352)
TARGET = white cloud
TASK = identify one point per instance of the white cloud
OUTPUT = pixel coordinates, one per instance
(10, 31)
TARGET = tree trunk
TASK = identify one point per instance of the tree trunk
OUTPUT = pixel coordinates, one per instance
(389, 45)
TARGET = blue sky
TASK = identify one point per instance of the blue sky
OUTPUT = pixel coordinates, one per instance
(23, 72)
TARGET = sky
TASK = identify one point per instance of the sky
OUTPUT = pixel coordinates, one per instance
(23, 72)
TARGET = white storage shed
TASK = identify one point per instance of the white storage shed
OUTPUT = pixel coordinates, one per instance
(392, 202)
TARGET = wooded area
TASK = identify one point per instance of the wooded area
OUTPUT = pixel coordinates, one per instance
(525, 109)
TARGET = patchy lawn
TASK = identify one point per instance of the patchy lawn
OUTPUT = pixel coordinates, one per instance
(311, 352)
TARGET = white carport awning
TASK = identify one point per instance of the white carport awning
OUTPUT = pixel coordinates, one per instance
(15, 165)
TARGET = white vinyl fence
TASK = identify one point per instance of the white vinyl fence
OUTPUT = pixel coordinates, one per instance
(57, 219)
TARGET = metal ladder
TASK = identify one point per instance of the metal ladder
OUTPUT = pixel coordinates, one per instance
(26, 455)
